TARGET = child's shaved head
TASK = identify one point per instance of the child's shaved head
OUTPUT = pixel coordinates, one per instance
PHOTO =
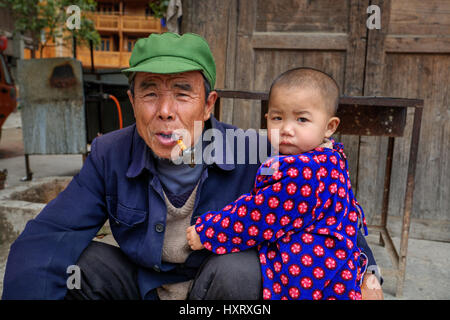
(310, 78)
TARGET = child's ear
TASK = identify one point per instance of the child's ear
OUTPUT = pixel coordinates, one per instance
(266, 115)
(332, 125)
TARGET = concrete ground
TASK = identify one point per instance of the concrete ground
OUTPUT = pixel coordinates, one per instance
(427, 271)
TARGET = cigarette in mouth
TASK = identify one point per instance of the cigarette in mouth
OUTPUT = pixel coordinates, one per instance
(181, 144)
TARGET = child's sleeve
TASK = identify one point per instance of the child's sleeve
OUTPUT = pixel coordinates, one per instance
(279, 203)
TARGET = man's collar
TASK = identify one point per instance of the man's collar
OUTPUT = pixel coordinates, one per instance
(142, 158)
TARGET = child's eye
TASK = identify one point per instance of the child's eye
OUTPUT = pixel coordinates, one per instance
(276, 118)
(302, 120)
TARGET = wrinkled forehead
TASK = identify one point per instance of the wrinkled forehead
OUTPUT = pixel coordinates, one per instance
(194, 78)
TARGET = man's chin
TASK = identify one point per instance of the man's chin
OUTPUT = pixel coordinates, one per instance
(166, 155)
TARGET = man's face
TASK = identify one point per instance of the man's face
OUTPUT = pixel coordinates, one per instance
(163, 104)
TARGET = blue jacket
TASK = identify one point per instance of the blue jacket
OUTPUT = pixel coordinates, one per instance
(117, 182)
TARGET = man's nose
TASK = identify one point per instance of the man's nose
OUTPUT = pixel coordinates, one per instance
(166, 109)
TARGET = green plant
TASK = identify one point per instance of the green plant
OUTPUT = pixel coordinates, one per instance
(45, 21)
(159, 7)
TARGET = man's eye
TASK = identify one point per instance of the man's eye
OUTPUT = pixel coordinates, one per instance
(302, 120)
(150, 94)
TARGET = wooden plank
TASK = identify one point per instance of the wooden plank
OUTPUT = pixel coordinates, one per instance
(270, 63)
(246, 114)
(302, 15)
(424, 76)
(371, 121)
(343, 100)
(230, 63)
(206, 25)
(388, 243)
(417, 44)
(425, 229)
(354, 79)
(418, 17)
(205, 18)
(398, 76)
(381, 101)
(409, 197)
(239, 94)
(372, 152)
(300, 40)
(356, 49)
(370, 116)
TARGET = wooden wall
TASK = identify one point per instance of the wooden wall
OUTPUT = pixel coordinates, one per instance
(255, 40)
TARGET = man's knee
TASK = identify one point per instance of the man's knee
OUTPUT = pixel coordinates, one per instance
(231, 276)
(106, 273)
(237, 267)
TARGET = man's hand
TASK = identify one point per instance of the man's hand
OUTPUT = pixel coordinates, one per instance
(371, 288)
(193, 238)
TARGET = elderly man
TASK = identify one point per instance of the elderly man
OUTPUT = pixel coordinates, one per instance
(130, 178)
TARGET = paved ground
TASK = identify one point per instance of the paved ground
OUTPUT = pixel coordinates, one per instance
(427, 272)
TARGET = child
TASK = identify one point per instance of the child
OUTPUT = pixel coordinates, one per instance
(304, 217)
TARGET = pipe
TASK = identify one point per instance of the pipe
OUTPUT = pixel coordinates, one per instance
(95, 97)
(119, 110)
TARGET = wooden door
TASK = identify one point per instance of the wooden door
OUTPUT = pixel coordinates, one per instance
(274, 36)
(410, 57)
(253, 41)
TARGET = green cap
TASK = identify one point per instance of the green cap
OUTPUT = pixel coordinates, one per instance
(171, 53)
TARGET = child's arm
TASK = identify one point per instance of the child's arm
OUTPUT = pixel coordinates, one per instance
(281, 202)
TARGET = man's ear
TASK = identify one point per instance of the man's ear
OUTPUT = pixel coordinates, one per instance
(130, 96)
(332, 125)
(210, 102)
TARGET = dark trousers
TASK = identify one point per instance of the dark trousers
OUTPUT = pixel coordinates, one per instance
(107, 274)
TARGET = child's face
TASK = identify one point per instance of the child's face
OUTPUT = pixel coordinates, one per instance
(301, 117)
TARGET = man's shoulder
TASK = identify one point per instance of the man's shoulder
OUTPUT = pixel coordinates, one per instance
(122, 134)
(115, 141)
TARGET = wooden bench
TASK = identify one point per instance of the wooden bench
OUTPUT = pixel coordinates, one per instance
(370, 116)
